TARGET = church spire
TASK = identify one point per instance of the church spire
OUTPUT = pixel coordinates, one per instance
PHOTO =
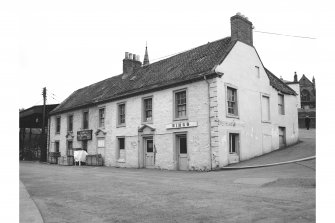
(146, 57)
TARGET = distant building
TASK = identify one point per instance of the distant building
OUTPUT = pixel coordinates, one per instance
(307, 97)
(31, 140)
(202, 109)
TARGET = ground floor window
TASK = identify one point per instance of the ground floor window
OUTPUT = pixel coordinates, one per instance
(233, 143)
(57, 146)
(69, 149)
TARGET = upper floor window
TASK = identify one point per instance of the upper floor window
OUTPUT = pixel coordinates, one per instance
(265, 108)
(57, 124)
(102, 117)
(70, 123)
(180, 104)
(232, 101)
(122, 114)
(85, 120)
(305, 95)
(281, 107)
(147, 109)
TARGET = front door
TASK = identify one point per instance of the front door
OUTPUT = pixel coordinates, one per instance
(182, 156)
(282, 142)
(149, 153)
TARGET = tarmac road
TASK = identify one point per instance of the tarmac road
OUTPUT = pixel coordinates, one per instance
(283, 193)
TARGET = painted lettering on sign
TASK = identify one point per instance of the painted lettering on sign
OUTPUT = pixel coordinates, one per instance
(182, 125)
(84, 135)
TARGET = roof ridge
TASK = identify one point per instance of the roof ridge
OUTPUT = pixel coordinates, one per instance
(181, 52)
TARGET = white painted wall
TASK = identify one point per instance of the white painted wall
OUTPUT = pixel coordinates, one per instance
(197, 137)
(239, 70)
(296, 88)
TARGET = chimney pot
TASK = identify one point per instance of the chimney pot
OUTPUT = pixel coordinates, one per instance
(126, 55)
(130, 64)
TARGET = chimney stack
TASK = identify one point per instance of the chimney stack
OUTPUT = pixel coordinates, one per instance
(241, 29)
(131, 62)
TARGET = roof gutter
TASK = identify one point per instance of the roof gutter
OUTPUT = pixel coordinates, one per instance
(209, 74)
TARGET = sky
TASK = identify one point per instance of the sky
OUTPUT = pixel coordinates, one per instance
(67, 45)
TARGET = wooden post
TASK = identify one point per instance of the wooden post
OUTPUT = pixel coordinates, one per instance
(43, 140)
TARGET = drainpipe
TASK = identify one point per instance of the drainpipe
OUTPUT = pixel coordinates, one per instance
(209, 123)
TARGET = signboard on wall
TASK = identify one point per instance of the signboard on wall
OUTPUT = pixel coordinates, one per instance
(182, 125)
(84, 135)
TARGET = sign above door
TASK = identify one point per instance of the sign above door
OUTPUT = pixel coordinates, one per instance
(182, 125)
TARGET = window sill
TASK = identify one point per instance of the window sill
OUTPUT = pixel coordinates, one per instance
(121, 125)
(121, 161)
(180, 119)
(148, 122)
(268, 122)
(232, 116)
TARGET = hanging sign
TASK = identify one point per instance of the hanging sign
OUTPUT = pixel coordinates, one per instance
(84, 135)
(182, 125)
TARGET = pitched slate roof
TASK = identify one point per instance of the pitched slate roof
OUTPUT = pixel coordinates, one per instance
(178, 69)
(278, 84)
(186, 66)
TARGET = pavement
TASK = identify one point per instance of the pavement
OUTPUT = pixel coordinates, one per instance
(29, 212)
(305, 148)
(58, 178)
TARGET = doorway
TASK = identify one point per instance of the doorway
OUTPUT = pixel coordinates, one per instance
(234, 147)
(282, 140)
(149, 152)
(181, 152)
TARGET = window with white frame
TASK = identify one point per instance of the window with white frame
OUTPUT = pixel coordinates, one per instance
(265, 108)
(147, 109)
(232, 101)
(121, 114)
(281, 106)
(101, 117)
(180, 104)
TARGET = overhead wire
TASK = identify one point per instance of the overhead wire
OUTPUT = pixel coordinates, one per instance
(280, 34)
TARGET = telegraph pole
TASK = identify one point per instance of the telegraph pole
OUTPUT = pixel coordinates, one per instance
(43, 147)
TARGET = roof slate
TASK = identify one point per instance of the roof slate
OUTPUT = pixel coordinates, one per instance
(278, 84)
(180, 68)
